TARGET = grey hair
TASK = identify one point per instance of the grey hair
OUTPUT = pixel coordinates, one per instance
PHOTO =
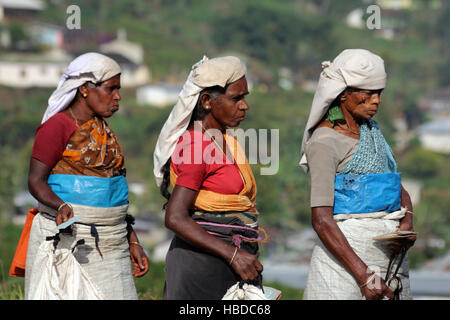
(92, 85)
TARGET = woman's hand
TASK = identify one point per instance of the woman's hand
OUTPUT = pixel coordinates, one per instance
(139, 260)
(396, 245)
(246, 265)
(377, 289)
(64, 213)
(38, 187)
(406, 224)
(179, 221)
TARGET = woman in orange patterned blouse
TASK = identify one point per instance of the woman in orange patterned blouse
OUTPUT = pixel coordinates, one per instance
(77, 169)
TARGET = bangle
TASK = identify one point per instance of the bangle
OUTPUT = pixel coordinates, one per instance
(234, 255)
(65, 204)
(369, 280)
(136, 243)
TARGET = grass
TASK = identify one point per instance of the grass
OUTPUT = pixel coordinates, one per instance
(287, 292)
(11, 291)
(149, 287)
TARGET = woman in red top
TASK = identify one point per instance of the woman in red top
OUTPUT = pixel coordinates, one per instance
(77, 169)
(212, 206)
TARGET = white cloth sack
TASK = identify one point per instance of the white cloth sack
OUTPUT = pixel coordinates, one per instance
(62, 277)
(112, 273)
(247, 292)
(328, 279)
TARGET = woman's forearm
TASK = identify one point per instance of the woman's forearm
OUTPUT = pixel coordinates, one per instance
(406, 202)
(190, 231)
(179, 221)
(38, 187)
(337, 244)
(44, 194)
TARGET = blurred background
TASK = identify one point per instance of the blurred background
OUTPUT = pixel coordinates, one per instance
(283, 44)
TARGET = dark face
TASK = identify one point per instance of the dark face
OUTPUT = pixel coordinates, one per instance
(228, 110)
(103, 100)
(361, 104)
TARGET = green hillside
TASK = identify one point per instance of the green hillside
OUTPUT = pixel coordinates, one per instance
(269, 35)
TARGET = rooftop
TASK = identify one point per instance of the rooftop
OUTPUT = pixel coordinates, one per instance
(23, 4)
(441, 126)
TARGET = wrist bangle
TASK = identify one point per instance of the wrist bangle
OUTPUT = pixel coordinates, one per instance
(65, 204)
(369, 280)
(136, 243)
(234, 255)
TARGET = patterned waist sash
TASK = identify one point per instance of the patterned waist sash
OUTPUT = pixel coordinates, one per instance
(230, 228)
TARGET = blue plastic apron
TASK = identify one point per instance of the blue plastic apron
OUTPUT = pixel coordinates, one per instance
(365, 193)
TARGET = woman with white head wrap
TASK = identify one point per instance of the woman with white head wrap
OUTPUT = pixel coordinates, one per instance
(77, 170)
(356, 193)
(212, 207)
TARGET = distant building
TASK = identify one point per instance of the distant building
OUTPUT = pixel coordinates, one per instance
(395, 4)
(133, 75)
(130, 57)
(121, 45)
(158, 95)
(402, 133)
(33, 70)
(441, 264)
(44, 69)
(46, 35)
(20, 10)
(436, 104)
(435, 135)
(407, 4)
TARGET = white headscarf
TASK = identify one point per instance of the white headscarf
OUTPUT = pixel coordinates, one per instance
(357, 68)
(91, 66)
(205, 73)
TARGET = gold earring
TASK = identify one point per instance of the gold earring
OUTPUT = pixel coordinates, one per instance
(85, 95)
(207, 107)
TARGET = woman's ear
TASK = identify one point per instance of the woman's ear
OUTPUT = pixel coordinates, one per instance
(83, 89)
(344, 96)
(205, 100)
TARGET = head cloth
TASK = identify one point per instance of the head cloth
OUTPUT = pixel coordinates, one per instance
(91, 66)
(205, 73)
(356, 68)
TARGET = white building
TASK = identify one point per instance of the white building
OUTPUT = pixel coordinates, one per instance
(436, 104)
(20, 9)
(25, 70)
(130, 50)
(158, 95)
(44, 34)
(435, 135)
(395, 4)
(45, 69)
(130, 57)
